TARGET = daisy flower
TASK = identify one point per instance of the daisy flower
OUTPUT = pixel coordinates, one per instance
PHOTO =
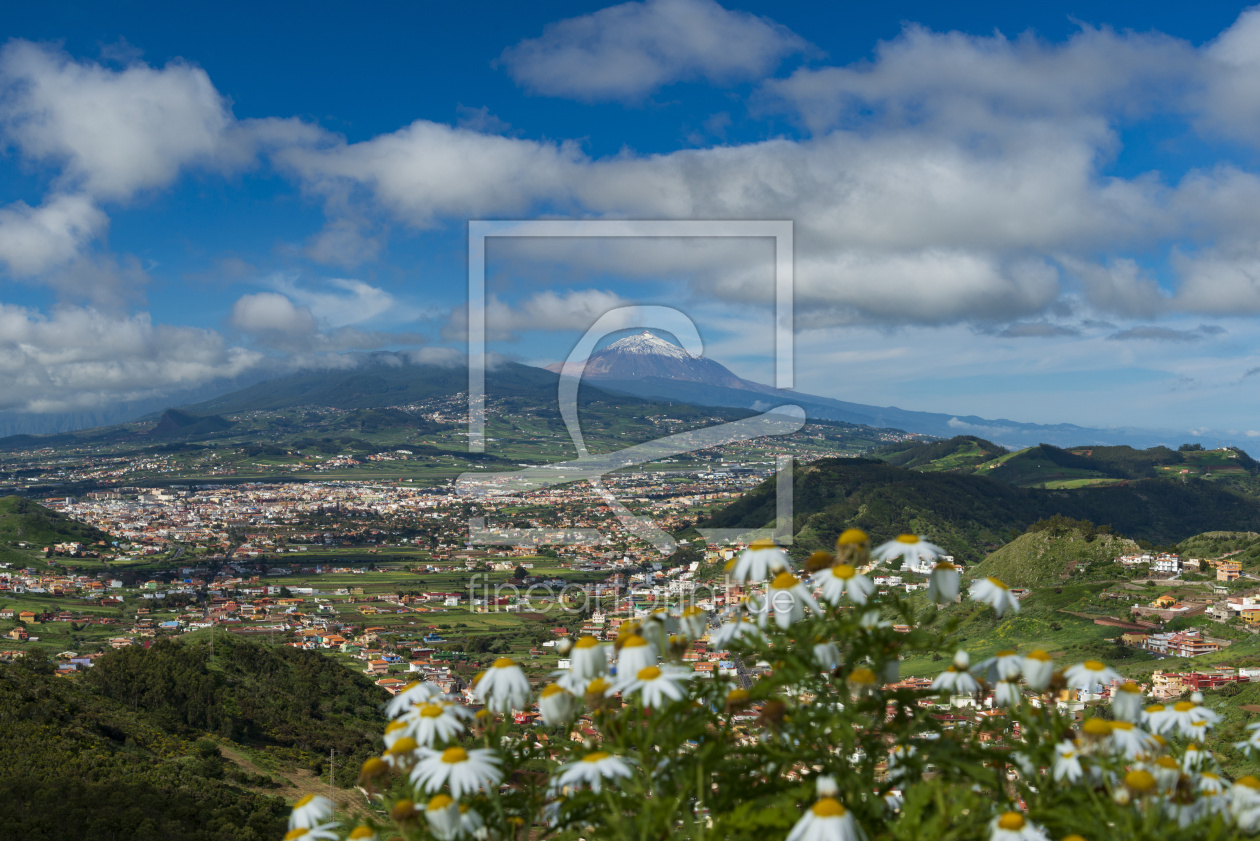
(503, 687)
(1129, 741)
(761, 560)
(466, 771)
(416, 692)
(693, 622)
(916, 553)
(1088, 675)
(588, 658)
(636, 653)
(1244, 803)
(437, 721)
(1012, 826)
(870, 621)
(597, 690)
(1140, 781)
(1004, 665)
(1126, 702)
(841, 580)
(362, 832)
(862, 681)
(471, 823)
(657, 685)
(787, 600)
(1038, 668)
(1006, 693)
(1194, 759)
(557, 704)
(826, 820)
(943, 583)
(1253, 741)
(1166, 770)
(442, 814)
(1067, 762)
(898, 757)
(1158, 718)
(592, 770)
(734, 629)
(311, 810)
(853, 548)
(956, 680)
(1192, 719)
(827, 654)
(994, 593)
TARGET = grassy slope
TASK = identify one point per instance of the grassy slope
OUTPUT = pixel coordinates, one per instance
(1040, 559)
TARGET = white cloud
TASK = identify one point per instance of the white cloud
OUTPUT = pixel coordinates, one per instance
(576, 309)
(627, 51)
(270, 312)
(113, 131)
(80, 358)
(35, 239)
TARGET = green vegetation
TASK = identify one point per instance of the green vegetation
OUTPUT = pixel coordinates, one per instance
(25, 522)
(971, 515)
(76, 765)
(1045, 557)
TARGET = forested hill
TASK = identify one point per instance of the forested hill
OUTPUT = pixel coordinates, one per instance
(135, 747)
(971, 515)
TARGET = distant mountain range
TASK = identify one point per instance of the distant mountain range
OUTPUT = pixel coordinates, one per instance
(641, 366)
(645, 365)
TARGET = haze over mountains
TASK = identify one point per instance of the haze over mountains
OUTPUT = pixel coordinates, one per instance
(646, 365)
(643, 366)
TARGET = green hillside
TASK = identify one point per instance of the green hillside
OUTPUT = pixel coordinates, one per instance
(971, 515)
(1050, 557)
(959, 452)
(75, 765)
(24, 521)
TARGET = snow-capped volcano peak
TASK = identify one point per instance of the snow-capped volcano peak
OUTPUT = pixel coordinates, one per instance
(647, 343)
(645, 355)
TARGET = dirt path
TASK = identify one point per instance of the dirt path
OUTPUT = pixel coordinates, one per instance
(299, 782)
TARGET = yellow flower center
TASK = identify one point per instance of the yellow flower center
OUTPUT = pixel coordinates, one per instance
(1121, 725)
(907, 538)
(1097, 727)
(1131, 687)
(504, 663)
(293, 834)
(634, 641)
(453, 756)
(439, 802)
(1139, 781)
(395, 725)
(586, 642)
(551, 689)
(943, 566)
(1249, 781)
(650, 673)
(373, 767)
(1039, 656)
(863, 676)
(729, 565)
(307, 799)
(1155, 708)
(693, 611)
(404, 745)
(1095, 665)
(411, 686)
(361, 833)
(762, 544)
(997, 582)
(1008, 653)
(431, 711)
(828, 807)
(1183, 706)
(852, 536)
(598, 686)
(843, 571)
(738, 696)
(1011, 821)
(1074, 838)
(1167, 762)
(785, 581)
(597, 756)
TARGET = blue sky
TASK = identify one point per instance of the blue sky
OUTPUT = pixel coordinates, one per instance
(1041, 211)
